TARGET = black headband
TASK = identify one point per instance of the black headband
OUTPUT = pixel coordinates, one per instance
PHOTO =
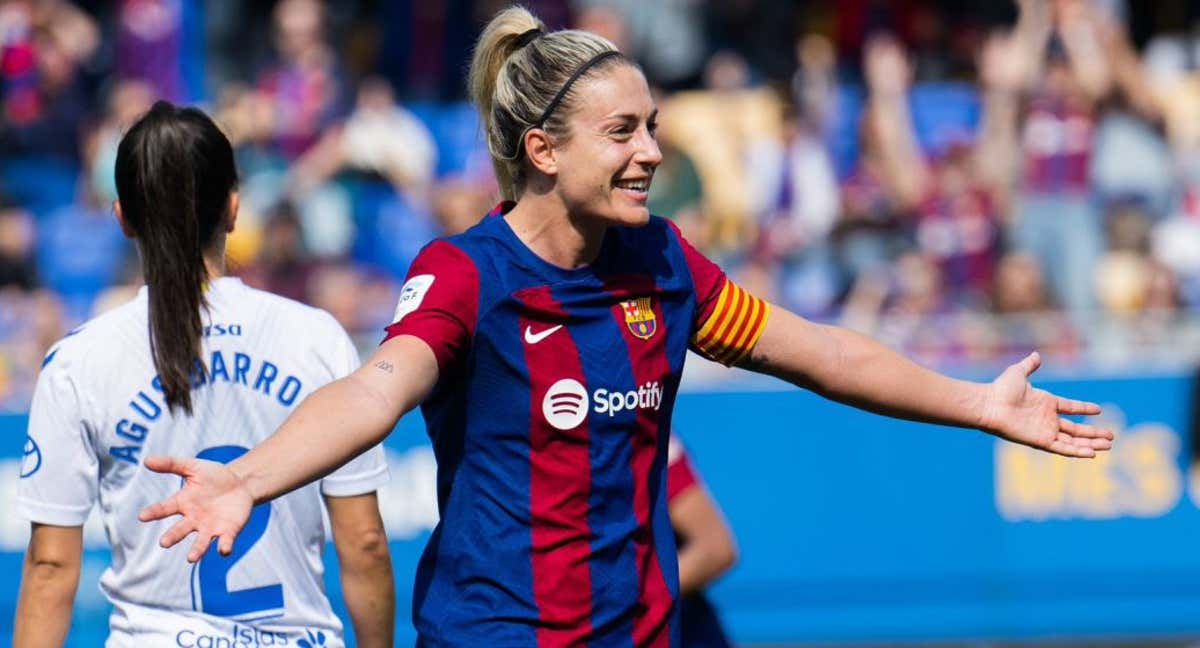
(562, 92)
(528, 36)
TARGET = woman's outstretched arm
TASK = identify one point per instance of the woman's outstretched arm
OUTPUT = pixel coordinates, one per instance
(331, 426)
(854, 369)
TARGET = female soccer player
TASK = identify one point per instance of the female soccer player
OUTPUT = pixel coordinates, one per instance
(197, 365)
(545, 346)
(706, 549)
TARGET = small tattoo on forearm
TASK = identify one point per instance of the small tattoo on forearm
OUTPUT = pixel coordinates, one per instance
(384, 365)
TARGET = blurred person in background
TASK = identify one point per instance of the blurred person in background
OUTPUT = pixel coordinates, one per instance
(951, 214)
(457, 204)
(171, 371)
(281, 265)
(337, 289)
(667, 37)
(302, 92)
(678, 190)
(717, 128)
(1172, 72)
(82, 250)
(706, 548)
(1065, 73)
(305, 85)
(43, 93)
(796, 196)
(1028, 319)
(380, 136)
(152, 42)
(18, 263)
(568, 280)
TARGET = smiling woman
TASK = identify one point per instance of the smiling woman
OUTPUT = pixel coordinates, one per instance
(545, 347)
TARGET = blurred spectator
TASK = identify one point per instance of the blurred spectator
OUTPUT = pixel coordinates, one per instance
(304, 85)
(1126, 274)
(29, 324)
(459, 204)
(666, 36)
(1029, 320)
(1055, 218)
(127, 101)
(954, 218)
(17, 265)
(794, 195)
(282, 265)
(717, 129)
(336, 289)
(1020, 287)
(151, 46)
(45, 101)
(677, 192)
(380, 136)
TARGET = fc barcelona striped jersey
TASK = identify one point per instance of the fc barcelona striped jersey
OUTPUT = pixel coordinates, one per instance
(550, 422)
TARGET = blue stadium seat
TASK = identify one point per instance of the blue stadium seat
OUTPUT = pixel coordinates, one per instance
(42, 184)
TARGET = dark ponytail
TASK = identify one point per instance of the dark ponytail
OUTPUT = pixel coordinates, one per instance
(175, 172)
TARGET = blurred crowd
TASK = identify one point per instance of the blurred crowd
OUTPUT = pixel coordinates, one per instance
(965, 179)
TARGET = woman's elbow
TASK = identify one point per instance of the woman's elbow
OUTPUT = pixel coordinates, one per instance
(727, 557)
(368, 546)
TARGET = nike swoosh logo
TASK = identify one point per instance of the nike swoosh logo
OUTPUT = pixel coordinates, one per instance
(534, 338)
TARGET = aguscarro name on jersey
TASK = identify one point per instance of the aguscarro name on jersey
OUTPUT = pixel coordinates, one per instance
(236, 368)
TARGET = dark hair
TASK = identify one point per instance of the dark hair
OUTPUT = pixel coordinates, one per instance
(175, 172)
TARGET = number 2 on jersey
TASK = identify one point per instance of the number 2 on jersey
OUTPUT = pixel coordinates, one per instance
(210, 574)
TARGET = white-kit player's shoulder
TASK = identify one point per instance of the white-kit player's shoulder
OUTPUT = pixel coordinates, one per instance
(304, 327)
(107, 340)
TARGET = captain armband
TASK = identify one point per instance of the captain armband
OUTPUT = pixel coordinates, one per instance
(733, 327)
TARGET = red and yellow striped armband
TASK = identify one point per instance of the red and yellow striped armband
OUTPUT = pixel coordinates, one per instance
(733, 327)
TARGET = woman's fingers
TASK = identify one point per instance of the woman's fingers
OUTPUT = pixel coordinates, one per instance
(225, 543)
(1030, 363)
(1063, 445)
(199, 546)
(1070, 406)
(173, 465)
(177, 532)
(1084, 431)
(160, 510)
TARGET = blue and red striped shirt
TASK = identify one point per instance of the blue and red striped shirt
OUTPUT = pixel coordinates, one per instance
(550, 423)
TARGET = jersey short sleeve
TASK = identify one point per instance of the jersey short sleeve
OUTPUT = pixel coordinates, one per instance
(368, 471)
(680, 473)
(729, 320)
(60, 471)
(439, 302)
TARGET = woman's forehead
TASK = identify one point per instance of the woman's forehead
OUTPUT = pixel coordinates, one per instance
(620, 90)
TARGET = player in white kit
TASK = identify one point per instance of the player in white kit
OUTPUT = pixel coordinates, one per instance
(197, 365)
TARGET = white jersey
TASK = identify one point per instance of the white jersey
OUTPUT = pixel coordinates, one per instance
(98, 412)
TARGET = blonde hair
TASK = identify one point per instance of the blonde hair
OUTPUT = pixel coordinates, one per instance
(513, 79)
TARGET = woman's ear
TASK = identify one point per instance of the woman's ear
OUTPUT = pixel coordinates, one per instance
(121, 219)
(540, 150)
(234, 201)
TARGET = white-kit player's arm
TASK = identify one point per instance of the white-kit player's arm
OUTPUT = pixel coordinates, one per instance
(58, 486)
(364, 562)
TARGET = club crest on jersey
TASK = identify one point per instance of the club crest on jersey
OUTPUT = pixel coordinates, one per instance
(639, 317)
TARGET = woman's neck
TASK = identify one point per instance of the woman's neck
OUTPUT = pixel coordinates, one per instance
(545, 226)
(215, 264)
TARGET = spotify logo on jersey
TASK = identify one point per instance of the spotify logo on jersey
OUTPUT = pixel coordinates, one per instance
(566, 404)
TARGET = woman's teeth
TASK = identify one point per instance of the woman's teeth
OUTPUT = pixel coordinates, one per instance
(635, 185)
